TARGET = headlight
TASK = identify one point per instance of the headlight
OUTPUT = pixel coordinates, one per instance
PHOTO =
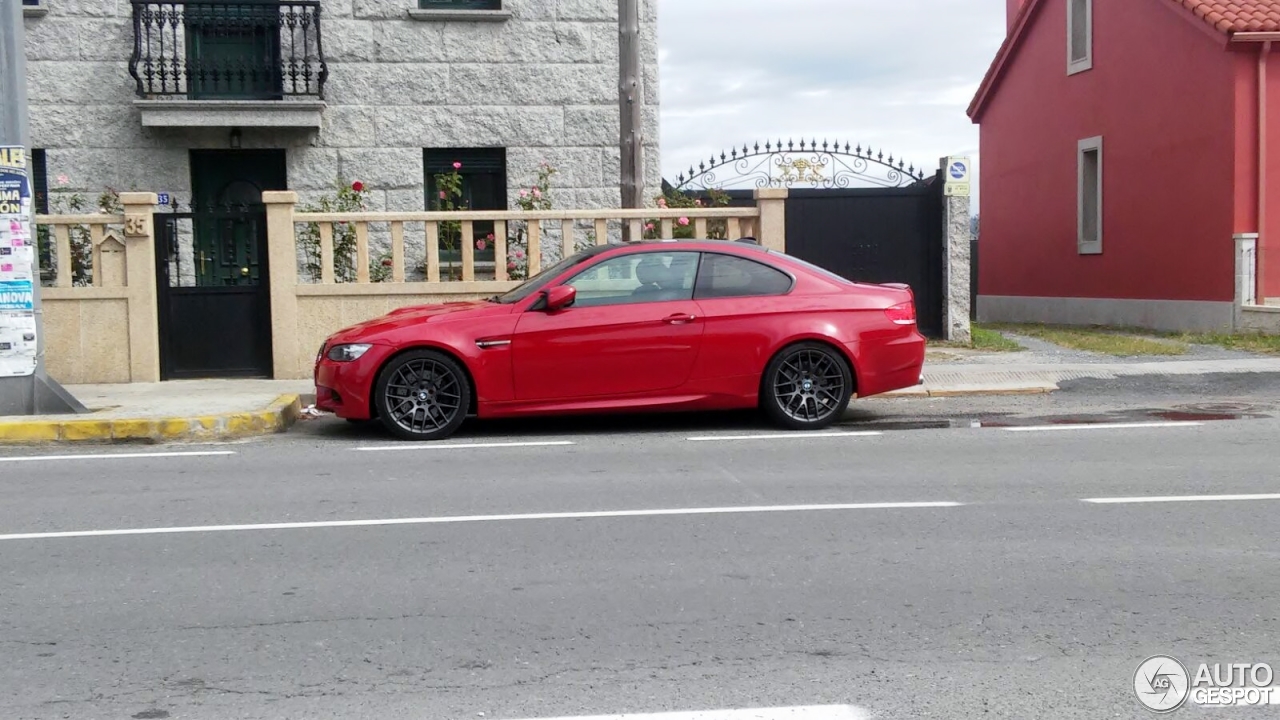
(347, 353)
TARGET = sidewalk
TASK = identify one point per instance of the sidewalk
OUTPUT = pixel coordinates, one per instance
(216, 410)
(177, 411)
(1002, 377)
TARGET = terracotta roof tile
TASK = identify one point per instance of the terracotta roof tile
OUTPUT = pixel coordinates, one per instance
(1231, 16)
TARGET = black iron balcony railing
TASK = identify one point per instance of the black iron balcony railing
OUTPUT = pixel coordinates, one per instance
(247, 50)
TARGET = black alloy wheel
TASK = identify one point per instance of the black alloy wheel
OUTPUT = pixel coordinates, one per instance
(807, 386)
(423, 395)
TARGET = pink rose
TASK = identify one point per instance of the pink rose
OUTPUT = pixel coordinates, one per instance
(524, 193)
(648, 226)
(511, 266)
(662, 202)
(64, 180)
(457, 166)
(480, 244)
(537, 193)
(684, 221)
(519, 254)
(443, 195)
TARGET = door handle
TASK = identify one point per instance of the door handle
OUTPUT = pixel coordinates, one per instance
(679, 319)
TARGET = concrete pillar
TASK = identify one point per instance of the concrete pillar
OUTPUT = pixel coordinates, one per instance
(772, 232)
(140, 271)
(283, 260)
(956, 266)
(1246, 272)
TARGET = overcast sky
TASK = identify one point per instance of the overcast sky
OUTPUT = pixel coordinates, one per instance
(896, 74)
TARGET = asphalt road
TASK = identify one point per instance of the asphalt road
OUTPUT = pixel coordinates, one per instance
(928, 559)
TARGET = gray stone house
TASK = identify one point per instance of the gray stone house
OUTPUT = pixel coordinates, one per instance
(214, 103)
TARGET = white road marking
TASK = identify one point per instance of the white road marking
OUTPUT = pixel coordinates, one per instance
(458, 446)
(812, 712)
(1180, 498)
(478, 518)
(116, 456)
(783, 436)
(1101, 426)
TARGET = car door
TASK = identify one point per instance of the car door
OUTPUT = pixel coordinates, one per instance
(744, 308)
(633, 328)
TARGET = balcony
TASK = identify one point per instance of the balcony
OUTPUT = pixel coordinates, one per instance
(253, 63)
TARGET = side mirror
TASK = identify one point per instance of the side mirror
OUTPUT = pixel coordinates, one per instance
(560, 297)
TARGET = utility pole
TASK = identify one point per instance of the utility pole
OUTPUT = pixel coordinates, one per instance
(631, 105)
(25, 387)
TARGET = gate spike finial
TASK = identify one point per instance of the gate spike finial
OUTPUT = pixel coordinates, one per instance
(791, 145)
(824, 144)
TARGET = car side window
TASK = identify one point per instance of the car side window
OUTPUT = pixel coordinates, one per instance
(727, 276)
(637, 278)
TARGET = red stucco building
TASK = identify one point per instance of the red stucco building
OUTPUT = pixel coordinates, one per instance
(1129, 148)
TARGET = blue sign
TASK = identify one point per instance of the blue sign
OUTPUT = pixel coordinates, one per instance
(162, 198)
(17, 295)
(958, 170)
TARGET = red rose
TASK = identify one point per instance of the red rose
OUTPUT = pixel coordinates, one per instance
(357, 186)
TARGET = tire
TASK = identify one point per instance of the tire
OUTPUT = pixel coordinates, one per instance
(422, 395)
(789, 402)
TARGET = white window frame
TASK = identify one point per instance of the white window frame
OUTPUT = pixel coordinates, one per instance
(40, 9)
(1081, 64)
(1089, 246)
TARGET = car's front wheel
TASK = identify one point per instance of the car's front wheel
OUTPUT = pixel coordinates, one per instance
(807, 386)
(422, 395)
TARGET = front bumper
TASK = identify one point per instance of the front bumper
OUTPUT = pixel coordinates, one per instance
(346, 388)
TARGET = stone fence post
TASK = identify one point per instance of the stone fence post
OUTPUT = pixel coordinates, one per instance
(283, 260)
(141, 276)
(957, 261)
(772, 232)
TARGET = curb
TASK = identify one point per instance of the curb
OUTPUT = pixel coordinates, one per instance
(278, 417)
(974, 391)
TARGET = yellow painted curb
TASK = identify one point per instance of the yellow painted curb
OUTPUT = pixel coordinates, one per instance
(279, 416)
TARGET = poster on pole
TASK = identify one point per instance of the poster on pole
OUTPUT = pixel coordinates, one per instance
(18, 272)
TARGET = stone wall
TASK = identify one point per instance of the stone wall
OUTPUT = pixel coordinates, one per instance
(542, 84)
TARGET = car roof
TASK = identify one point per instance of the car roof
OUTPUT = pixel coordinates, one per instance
(747, 244)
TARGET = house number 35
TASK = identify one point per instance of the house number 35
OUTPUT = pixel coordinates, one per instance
(135, 225)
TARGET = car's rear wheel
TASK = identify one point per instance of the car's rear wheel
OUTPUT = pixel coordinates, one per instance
(807, 386)
(423, 395)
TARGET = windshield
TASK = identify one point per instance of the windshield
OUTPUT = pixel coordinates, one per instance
(537, 282)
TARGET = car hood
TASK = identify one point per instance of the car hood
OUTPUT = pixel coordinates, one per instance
(371, 330)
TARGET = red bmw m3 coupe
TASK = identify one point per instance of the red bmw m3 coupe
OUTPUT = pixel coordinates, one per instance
(646, 326)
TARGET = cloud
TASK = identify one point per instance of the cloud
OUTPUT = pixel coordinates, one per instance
(892, 74)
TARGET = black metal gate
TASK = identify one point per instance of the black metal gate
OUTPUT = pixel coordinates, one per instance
(214, 293)
(849, 210)
(875, 235)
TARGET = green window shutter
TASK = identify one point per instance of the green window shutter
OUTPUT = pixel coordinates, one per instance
(39, 181)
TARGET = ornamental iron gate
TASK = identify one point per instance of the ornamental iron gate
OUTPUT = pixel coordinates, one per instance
(851, 210)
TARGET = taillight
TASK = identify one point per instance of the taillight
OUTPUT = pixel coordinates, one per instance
(902, 313)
